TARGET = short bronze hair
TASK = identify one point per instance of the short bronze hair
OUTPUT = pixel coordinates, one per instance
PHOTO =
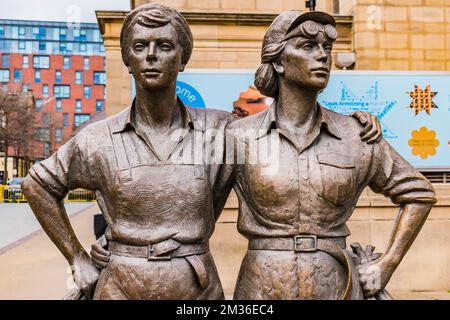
(153, 15)
(287, 25)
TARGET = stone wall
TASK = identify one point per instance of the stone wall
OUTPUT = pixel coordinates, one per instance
(402, 34)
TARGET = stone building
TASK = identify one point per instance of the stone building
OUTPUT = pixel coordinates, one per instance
(384, 35)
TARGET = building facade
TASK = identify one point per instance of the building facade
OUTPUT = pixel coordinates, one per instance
(63, 65)
(384, 35)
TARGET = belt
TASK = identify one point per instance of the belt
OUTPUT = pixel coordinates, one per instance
(165, 250)
(309, 243)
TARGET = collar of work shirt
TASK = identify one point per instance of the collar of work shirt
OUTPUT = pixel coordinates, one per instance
(128, 121)
(324, 123)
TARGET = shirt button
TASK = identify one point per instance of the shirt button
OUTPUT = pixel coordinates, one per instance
(302, 158)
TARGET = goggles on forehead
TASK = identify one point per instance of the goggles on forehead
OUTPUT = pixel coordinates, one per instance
(311, 29)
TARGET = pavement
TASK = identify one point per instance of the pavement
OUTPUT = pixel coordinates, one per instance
(32, 268)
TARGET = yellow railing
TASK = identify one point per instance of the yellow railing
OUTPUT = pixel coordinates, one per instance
(81, 195)
(14, 194)
(11, 194)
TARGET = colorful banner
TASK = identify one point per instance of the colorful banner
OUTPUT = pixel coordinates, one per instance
(413, 107)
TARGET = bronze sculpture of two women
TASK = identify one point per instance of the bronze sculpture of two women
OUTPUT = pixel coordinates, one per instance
(161, 198)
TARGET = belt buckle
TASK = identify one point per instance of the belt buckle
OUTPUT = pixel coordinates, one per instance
(152, 257)
(299, 243)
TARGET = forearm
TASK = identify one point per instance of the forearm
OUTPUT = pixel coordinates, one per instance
(409, 221)
(52, 216)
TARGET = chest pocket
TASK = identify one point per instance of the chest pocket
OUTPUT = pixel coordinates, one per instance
(338, 177)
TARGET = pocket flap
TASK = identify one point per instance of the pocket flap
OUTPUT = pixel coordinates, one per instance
(338, 160)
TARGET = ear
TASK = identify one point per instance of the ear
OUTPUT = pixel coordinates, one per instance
(182, 66)
(278, 66)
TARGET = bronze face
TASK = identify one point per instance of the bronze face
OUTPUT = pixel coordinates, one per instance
(154, 56)
(307, 61)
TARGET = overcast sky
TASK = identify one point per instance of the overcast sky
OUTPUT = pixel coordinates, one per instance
(58, 10)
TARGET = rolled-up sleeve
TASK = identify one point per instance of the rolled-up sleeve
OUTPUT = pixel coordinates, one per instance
(67, 169)
(394, 177)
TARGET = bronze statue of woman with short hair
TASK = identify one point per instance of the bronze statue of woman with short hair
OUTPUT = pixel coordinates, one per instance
(295, 218)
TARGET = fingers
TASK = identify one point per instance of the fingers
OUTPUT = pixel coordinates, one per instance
(100, 250)
(99, 256)
(100, 265)
(367, 129)
(360, 116)
(379, 130)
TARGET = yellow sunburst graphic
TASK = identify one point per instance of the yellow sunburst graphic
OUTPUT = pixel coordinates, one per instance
(423, 142)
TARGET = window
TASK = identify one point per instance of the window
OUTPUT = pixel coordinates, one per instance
(2, 32)
(5, 61)
(65, 119)
(25, 87)
(79, 77)
(87, 92)
(78, 106)
(39, 104)
(25, 62)
(86, 63)
(99, 77)
(35, 32)
(76, 33)
(58, 76)
(96, 36)
(83, 47)
(42, 46)
(61, 91)
(58, 105)
(17, 75)
(45, 90)
(22, 45)
(42, 32)
(21, 31)
(83, 34)
(59, 135)
(80, 118)
(62, 47)
(99, 105)
(66, 62)
(62, 34)
(46, 119)
(4, 75)
(5, 87)
(46, 149)
(37, 76)
(41, 62)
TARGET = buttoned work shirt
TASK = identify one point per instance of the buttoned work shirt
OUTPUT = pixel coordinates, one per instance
(314, 188)
(143, 197)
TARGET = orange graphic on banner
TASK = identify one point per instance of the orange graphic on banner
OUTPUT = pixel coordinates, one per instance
(422, 99)
(423, 142)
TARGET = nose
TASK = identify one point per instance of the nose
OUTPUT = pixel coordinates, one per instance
(322, 54)
(151, 55)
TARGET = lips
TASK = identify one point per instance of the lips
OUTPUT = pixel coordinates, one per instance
(320, 69)
(151, 72)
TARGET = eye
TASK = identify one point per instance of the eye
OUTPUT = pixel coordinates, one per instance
(306, 46)
(166, 46)
(328, 48)
(139, 46)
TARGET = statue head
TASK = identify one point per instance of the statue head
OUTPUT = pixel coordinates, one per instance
(297, 48)
(156, 43)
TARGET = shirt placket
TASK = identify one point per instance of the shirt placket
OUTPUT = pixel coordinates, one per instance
(303, 182)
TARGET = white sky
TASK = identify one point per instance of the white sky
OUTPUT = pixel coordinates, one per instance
(58, 10)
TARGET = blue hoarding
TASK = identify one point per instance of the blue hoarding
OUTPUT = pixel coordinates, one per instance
(413, 107)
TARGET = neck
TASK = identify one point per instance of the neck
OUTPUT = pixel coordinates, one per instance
(297, 105)
(157, 108)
